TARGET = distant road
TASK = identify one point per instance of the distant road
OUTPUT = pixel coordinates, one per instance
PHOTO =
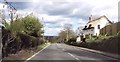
(66, 52)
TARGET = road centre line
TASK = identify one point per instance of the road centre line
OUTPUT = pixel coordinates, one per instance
(73, 56)
(63, 49)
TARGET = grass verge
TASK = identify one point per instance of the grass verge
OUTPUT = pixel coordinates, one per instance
(24, 54)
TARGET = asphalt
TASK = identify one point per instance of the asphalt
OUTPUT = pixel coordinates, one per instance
(62, 52)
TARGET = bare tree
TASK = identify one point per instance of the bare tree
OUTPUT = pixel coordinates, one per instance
(66, 33)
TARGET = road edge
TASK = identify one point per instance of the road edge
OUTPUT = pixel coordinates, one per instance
(102, 53)
(37, 53)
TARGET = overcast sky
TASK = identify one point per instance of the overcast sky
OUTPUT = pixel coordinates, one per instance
(56, 13)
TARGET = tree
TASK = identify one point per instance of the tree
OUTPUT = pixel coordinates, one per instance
(67, 33)
(9, 35)
(62, 36)
(32, 26)
(13, 32)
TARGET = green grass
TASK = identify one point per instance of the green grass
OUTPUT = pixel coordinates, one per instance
(41, 47)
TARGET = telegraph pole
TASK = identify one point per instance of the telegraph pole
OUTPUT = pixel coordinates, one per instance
(67, 35)
(10, 7)
(43, 28)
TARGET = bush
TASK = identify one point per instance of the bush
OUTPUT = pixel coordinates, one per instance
(12, 45)
(18, 34)
(72, 41)
(30, 41)
(108, 44)
(32, 26)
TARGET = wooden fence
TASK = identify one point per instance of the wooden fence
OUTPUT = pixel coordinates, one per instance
(111, 29)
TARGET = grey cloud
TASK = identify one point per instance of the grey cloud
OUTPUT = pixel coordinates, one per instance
(58, 8)
(53, 25)
(50, 22)
(65, 9)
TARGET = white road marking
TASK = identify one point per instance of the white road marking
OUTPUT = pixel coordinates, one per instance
(57, 44)
(63, 49)
(73, 56)
(36, 53)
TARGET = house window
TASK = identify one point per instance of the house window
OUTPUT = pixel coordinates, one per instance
(90, 26)
(91, 29)
(98, 26)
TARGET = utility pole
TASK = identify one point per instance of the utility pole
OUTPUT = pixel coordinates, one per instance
(43, 28)
(11, 8)
(67, 36)
(67, 28)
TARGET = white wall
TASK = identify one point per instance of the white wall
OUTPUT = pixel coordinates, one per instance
(89, 31)
(78, 40)
(102, 22)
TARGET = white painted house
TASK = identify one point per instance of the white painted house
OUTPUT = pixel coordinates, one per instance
(78, 39)
(94, 25)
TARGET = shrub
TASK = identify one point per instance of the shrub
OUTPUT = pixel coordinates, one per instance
(32, 26)
(108, 44)
(72, 41)
(29, 41)
(10, 44)
(19, 34)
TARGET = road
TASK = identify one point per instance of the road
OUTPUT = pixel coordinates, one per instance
(65, 52)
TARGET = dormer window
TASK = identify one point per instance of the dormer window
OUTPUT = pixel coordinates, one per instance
(85, 28)
(98, 26)
(90, 26)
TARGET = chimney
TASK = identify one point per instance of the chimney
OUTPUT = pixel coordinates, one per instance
(90, 18)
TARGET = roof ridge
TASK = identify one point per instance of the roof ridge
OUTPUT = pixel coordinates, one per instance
(100, 18)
